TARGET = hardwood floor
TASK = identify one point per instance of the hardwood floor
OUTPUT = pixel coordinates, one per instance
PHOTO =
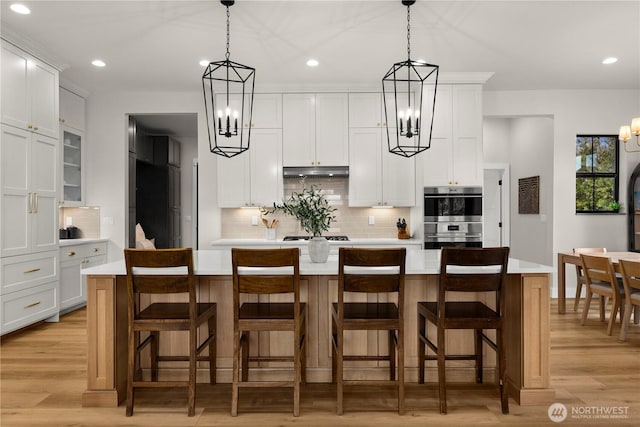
(43, 374)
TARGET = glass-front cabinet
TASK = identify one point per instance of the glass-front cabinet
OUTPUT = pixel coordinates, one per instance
(634, 210)
(72, 167)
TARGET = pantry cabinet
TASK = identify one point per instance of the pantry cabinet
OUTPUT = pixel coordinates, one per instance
(29, 92)
(315, 129)
(29, 186)
(455, 156)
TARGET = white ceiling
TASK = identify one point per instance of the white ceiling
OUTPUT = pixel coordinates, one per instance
(156, 45)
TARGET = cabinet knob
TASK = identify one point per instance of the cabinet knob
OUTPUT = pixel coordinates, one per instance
(318, 163)
(61, 120)
(95, 249)
(71, 253)
(313, 163)
(30, 127)
(35, 128)
(246, 125)
(378, 124)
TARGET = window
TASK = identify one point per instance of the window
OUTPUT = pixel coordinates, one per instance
(596, 173)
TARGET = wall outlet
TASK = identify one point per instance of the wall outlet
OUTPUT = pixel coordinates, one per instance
(372, 220)
(107, 220)
(254, 219)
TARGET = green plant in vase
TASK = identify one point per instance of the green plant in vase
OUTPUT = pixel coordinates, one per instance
(312, 209)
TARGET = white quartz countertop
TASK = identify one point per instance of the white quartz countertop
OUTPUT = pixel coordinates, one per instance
(218, 263)
(280, 242)
(71, 242)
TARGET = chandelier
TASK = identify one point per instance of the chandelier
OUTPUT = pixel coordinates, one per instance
(228, 91)
(625, 134)
(403, 89)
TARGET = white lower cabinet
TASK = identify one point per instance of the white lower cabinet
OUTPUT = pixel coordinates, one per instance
(73, 259)
(29, 291)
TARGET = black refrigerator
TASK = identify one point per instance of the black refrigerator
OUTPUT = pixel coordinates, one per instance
(634, 210)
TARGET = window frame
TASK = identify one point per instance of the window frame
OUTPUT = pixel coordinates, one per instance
(594, 175)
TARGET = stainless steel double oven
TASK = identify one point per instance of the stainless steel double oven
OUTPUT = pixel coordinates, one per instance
(452, 217)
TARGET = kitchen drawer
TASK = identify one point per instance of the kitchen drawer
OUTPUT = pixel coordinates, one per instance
(93, 261)
(95, 249)
(24, 307)
(72, 253)
(25, 271)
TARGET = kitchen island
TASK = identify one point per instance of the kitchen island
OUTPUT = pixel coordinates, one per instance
(526, 327)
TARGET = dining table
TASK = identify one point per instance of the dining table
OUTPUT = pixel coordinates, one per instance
(565, 258)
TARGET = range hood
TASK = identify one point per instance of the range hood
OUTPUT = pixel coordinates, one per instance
(317, 171)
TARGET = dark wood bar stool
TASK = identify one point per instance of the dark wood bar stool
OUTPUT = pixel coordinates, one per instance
(466, 314)
(265, 272)
(369, 271)
(163, 272)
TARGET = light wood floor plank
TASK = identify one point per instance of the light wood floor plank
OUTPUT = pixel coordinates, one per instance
(43, 375)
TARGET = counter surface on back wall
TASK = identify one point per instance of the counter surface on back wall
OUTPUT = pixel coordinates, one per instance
(526, 327)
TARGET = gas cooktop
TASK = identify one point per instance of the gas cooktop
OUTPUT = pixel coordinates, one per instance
(334, 238)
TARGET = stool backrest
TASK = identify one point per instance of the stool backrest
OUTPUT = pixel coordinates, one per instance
(266, 271)
(371, 270)
(473, 269)
(160, 271)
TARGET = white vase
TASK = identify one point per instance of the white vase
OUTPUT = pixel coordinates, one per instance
(318, 249)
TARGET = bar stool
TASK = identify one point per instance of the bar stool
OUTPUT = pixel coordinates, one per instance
(466, 314)
(267, 272)
(162, 272)
(369, 271)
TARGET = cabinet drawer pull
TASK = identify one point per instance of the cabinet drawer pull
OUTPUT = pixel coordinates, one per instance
(71, 253)
(96, 249)
(30, 127)
(33, 270)
(35, 128)
(33, 304)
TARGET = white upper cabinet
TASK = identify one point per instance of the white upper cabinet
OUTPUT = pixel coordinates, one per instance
(315, 129)
(376, 177)
(253, 178)
(72, 110)
(29, 187)
(267, 111)
(29, 92)
(455, 157)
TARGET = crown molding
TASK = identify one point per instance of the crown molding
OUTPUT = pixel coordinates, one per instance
(11, 36)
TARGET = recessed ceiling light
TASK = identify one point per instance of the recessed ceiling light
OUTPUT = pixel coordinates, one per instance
(98, 63)
(20, 8)
(609, 60)
(312, 63)
(204, 62)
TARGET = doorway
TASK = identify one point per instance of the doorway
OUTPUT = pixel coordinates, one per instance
(496, 219)
(162, 150)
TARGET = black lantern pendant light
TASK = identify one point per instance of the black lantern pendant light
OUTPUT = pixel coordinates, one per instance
(228, 93)
(405, 100)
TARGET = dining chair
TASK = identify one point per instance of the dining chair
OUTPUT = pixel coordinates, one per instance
(630, 271)
(580, 278)
(468, 271)
(156, 276)
(600, 278)
(369, 271)
(265, 272)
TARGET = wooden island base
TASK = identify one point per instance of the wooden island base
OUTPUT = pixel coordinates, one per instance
(527, 336)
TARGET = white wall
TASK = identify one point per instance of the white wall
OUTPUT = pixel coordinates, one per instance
(188, 152)
(107, 158)
(575, 112)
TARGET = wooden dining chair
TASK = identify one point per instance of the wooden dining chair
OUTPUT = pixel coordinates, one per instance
(369, 271)
(580, 278)
(466, 270)
(151, 276)
(600, 279)
(265, 272)
(630, 271)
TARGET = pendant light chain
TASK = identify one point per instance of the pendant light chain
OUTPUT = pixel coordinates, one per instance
(228, 33)
(409, 32)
